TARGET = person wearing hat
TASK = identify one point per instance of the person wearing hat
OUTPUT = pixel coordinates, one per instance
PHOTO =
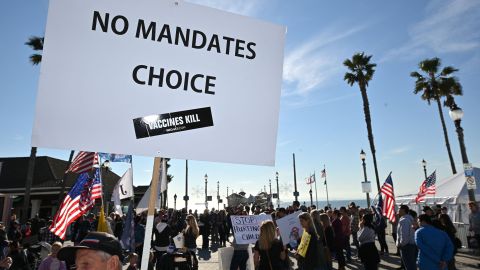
(406, 239)
(433, 217)
(97, 251)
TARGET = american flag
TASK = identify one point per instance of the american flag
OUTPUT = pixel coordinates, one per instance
(311, 179)
(378, 209)
(427, 187)
(78, 201)
(389, 203)
(83, 162)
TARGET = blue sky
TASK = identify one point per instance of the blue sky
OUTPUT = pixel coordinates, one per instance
(321, 118)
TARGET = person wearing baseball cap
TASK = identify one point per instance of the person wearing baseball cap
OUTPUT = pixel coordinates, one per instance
(97, 251)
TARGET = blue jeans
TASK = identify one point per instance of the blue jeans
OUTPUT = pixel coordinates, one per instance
(408, 253)
(239, 260)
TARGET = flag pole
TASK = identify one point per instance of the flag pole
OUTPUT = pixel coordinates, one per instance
(326, 185)
(101, 181)
(151, 211)
(316, 195)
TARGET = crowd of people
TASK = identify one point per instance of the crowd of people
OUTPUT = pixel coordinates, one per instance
(344, 235)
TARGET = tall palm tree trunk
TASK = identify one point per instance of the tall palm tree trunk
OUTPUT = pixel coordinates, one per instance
(368, 120)
(445, 134)
(28, 184)
(64, 179)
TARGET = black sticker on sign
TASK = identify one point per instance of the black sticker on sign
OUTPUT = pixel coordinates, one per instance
(160, 124)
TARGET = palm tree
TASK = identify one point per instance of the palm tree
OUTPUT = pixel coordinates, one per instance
(36, 43)
(361, 72)
(433, 86)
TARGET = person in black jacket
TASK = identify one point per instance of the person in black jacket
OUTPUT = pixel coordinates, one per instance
(205, 228)
(19, 257)
(163, 234)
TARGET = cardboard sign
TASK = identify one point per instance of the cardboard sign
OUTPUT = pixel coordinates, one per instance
(290, 229)
(246, 229)
(164, 78)
(469, 176)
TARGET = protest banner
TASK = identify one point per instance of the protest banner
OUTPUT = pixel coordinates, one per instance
(290, 229)
(246, 229)
(164, 78)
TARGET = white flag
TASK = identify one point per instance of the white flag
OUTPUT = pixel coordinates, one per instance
(143, 204)
(124, 188)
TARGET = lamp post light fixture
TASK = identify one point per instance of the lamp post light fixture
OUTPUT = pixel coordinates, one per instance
(456, 114)
(363, 156)
(206, 198)
(278, 191)
(424, 164)
(175, 201)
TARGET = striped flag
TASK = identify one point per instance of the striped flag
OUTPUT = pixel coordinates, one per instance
(427, 187)
(78, 201)
(310, 179)
(83, 162)
(389, 203)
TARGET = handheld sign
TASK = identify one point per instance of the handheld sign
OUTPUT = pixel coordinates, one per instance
(161, 78)
(290, 229)
(246, 229)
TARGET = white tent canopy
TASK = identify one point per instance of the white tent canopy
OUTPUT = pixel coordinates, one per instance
(451, 192)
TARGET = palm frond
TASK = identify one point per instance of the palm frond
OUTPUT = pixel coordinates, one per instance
(350, 78)
(36, 43)
(448, 70)
(430, 65)
(35, 59)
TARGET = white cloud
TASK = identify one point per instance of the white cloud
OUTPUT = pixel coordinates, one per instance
(400, 150)
(449, 27)
(243, 7)
(313, 63)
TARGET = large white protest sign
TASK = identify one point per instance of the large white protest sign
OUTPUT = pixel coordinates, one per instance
(290, 229)
(159, 78)
(246, 229)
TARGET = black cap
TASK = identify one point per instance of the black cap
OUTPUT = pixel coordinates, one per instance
(96, 241)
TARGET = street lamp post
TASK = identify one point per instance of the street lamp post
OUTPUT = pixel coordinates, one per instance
(270, 186)
(206, 198)
(185, 198)
(218, 195)
(311, 197)
(175, 201)
(363, 156)
(278, 191)
(424, 164)
(456, 113)
(295, 193)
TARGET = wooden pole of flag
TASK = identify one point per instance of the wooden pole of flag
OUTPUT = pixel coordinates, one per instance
(151, 211)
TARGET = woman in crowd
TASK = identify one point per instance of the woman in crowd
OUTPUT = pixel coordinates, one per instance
(269, 251)
(191, 233)
(339, 239)
(310, 250)
(447, 226)
(329, 238)
(368, 252)
(51, 262)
